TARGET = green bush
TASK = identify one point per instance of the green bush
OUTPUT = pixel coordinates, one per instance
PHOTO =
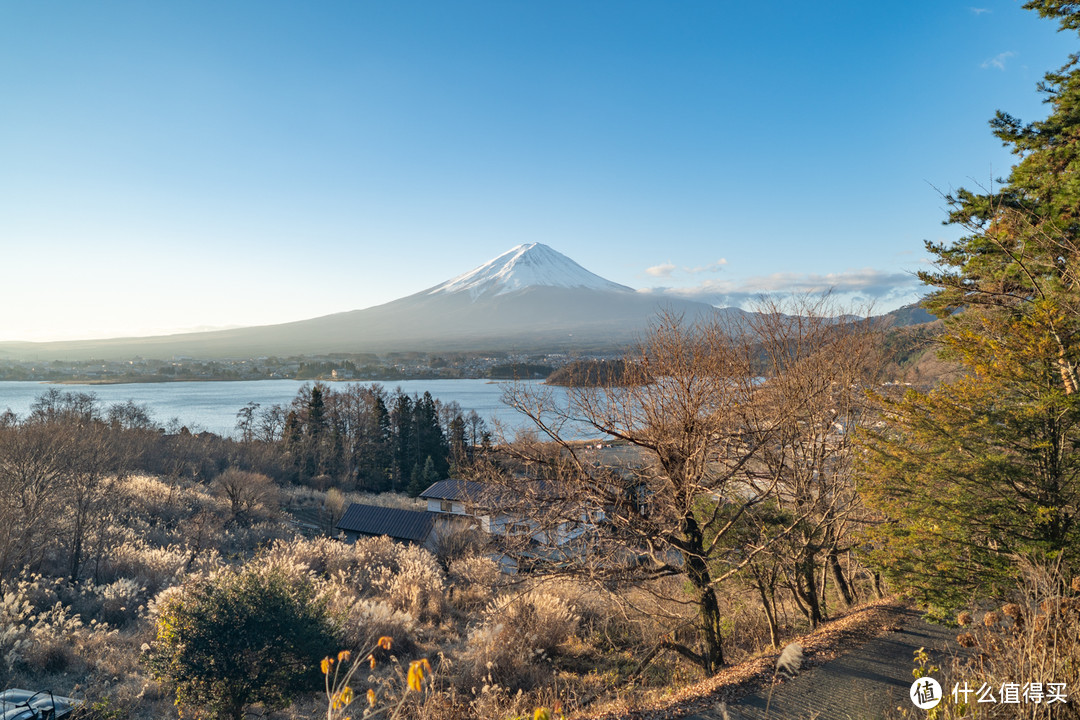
(246, 636)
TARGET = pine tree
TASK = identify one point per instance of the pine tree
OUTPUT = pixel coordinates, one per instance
(1021, 257)
(372, 449)
(459, 452)
(977, 471)
(430, 439)
(988, 467)
(422, 478)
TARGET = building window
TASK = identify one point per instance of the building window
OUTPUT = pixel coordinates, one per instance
(446, 506)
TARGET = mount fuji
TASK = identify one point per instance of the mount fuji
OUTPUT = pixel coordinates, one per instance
(529, 298)
(532, 265)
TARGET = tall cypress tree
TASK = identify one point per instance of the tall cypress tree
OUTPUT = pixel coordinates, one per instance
(402, 423)
(430, 439)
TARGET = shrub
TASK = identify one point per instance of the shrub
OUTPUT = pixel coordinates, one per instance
(35, 627)
(367, 620)
(474, 578)
(249, 494)
(516, 634)
(406, 576)
(1041, 645)
(241, 637)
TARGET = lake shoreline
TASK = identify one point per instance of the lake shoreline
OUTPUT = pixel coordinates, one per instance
(213, 405)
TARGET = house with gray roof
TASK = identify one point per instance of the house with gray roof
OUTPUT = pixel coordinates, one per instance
(413, 526)
(494, 509)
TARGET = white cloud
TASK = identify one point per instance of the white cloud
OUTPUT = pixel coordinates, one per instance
(662, 270)
(979, 11)
(998, 61)
(860, 286)
(668, 269)
(710, 268)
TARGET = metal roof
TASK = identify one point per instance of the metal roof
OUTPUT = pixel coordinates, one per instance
(461, 490)
(411, 525)
(492, 494)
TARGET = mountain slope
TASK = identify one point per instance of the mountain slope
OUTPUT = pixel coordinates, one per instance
(531, 297)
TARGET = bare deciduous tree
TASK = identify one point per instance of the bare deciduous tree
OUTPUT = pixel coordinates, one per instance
(95, 459)
(825, 366)
(705, 413)
(32, 466)
(247, 492)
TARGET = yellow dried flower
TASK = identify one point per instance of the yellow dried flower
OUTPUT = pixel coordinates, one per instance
(344, 656)
(414, 678)
(371, 697)
(326, 663)
(416, 673)
(371, 659)
(384, 642)
(542, 713)
(346, 696)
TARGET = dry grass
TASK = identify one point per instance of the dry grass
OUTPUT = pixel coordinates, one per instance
(500, 645)
(1033, 639)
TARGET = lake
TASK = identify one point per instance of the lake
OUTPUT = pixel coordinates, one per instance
(213, 406)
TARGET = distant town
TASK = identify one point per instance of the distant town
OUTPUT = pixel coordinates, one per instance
(332, 367)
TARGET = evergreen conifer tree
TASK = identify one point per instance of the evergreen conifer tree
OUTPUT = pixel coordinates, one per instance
(983, 469)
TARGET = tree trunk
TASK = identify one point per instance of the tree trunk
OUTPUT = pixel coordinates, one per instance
(824, 591)
(806, 586)
(796, 596)
(853, 586)
(76, 547)
(841, 581)
(770, 614)
(877, 586)
(1068, 370)
(712, 632)
(697, 571)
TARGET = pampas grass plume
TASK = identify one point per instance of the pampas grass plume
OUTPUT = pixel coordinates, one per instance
(790, 660)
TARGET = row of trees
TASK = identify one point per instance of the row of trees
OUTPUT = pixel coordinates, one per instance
(57, 470)
(59, 464)
(362, 437)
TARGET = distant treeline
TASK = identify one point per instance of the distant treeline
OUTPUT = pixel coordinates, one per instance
(519, 371)
(593, 373)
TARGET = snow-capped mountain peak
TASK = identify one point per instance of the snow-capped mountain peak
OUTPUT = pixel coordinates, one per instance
(524, 266)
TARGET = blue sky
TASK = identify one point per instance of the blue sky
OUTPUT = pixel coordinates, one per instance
(168, 166)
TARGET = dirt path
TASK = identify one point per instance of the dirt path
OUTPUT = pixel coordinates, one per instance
(864, 683)
(856, 668)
